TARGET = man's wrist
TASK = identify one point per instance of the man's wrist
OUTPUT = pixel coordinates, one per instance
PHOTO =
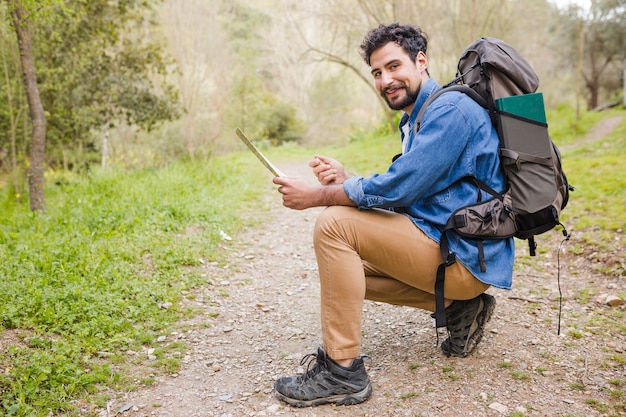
(334, 195)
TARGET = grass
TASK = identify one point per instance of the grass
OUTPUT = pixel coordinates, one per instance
(86, 283)
(598, 171)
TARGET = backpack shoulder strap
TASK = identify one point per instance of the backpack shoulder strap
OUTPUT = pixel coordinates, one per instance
(448, 257)
(448, 88)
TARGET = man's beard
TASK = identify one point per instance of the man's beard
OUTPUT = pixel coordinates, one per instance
(403, 102)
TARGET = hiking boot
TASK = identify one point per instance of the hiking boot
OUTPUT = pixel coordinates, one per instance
(466, 324)
(325, 382)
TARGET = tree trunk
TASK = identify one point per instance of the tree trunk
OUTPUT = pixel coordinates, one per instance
(105, 147)
(38, 140)
(13, 117)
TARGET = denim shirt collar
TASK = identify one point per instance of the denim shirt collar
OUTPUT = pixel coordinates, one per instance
(429, 87)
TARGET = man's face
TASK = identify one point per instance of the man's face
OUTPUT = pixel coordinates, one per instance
(398, 79)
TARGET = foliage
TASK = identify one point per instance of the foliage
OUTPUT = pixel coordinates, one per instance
(595, 41)
(280, 124)
(85, 283)
(249, 64)
(255, 107)
(95, 68)
(98, 67)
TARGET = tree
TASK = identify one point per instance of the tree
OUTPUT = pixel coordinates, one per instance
(199, 46)
(605, 42)
(596, 39)
(255, 104)
(11, 115)
(86, 66)
(22, 14)
(103, 64)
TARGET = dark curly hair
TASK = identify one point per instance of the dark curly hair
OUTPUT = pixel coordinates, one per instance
(410, 38)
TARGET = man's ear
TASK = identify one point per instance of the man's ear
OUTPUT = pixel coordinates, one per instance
(421, 61)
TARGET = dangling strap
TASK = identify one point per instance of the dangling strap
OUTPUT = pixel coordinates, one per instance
(532, 246)
(449, 258)
(440, 307)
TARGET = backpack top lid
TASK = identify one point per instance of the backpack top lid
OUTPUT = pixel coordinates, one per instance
(503, 71)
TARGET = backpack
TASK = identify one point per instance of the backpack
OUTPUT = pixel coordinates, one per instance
(498, 78)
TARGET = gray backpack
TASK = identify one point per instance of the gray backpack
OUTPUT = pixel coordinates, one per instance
(497, 77)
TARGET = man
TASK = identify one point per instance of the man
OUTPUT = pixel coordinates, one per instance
(378, 239)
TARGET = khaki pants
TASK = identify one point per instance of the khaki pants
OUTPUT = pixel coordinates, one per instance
(376, 255)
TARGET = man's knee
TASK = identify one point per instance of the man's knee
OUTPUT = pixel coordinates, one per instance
(329, 218)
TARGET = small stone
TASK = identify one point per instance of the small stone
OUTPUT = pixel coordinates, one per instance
(500, 408)
(613, 300)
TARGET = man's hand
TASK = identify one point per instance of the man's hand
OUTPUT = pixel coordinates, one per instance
(299, 195)
(328, 171)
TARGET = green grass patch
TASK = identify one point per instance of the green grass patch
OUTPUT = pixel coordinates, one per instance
(408, 396)
(598, 172)
(520, 376)
(566, 129)
(87, 281)
(576, 334)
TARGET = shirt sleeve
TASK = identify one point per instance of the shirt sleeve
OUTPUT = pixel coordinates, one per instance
(429, 164)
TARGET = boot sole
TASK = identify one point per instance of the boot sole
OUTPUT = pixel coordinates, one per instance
(489, 305)
(341, 399)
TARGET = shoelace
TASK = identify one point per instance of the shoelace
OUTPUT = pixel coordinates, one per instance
(311, 371)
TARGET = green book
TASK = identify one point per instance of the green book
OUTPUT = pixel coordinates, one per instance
(529, 106)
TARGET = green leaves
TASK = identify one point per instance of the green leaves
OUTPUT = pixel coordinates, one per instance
(98, 63)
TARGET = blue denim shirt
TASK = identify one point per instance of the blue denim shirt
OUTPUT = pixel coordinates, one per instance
(456, 139)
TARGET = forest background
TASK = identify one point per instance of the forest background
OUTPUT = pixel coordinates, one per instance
(129, 138)
(138, 83)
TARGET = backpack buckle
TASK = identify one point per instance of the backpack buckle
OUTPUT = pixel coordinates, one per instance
(450, 259)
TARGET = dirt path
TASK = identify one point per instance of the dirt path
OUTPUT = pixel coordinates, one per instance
(603, 128)
(260, 316)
